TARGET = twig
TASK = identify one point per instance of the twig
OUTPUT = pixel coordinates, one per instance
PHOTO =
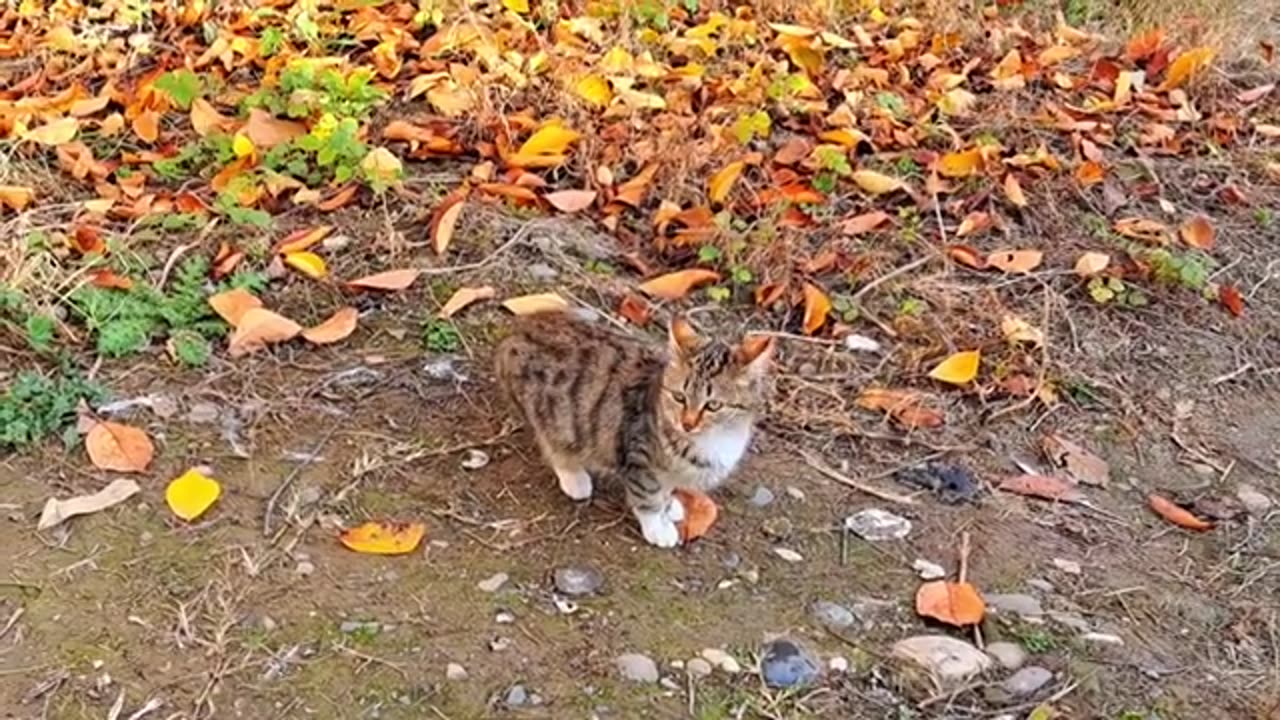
(889, 276)
(288, 480)
(1233, 374)
(13, 619)
(521, 235)
(182, 250)
(850, 482)
(371, 659)
(1044, 367)
(964, 556)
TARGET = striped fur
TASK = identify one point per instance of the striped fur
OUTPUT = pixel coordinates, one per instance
(605, 407)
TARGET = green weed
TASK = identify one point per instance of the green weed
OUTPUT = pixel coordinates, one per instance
(35, 406)
(441, 336)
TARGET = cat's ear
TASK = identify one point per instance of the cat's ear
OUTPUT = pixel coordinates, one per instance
(684, 339)
(753, 353)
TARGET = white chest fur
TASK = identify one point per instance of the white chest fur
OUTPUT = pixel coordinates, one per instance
(722, 448)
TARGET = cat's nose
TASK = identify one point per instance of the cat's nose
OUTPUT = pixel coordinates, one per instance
(689, 419)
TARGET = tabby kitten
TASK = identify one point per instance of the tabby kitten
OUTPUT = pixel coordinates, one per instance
(605, 407)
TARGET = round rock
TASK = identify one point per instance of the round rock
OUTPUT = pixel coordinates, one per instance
(578, 580)
(637, 668)
(454, 671)
(762, 496)
(1011, 656)
(493, 583)
(875, 525)
(832, 615)
(787, 665)
(698, 667)
(516, 696)
(1026, 681)
(1014, 604)
(948, 659)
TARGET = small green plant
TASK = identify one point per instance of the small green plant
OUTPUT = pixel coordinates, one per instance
(710, 254)
(891, 103)
(1264, 217)
(441, 336)
(835, 160)
(192, 159)
(1107, 290)
(911, 307)
(1037, 641)
(651, 12)
(40, 330)
(719, 293)
(751, 126)
(35, 406)
(599, 267)
(741, 275)
(308, 87)
(330, 151)
(1189, 270)
(182, 87)
(844, 308)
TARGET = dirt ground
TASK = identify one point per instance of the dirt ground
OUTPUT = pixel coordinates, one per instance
(214, 620)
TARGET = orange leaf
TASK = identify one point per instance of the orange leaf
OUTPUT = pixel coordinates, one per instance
(258, 328)
(722, 182)
(1231, 299)
(700, 513)
(632, 191)
(1198, 232)
(1015, 261)
(1013, 191)
(571, 201)
(107, 278)
(307, 263)
(303, 239)
(966, 255)
(1143, 229)
(1166, 509)
(676, 285)
(16, 197)
(1144, 45)
(384, 538)
(960, 164)
(864, 223)
(267, 131)
(232, 305)
(443, 222)
(954, 603)
(817, 306)
(974, 222)
(118, 448)
(1090, 173)
(1044, 487)
(463, 297)
(1186, 66)
(508, 190)
(147, 126)
(904, 406)
(340, 199)
(535, 303)
(635, 309)
(389, 280)
(337, 327)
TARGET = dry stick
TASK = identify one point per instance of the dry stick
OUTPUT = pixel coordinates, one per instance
(850, 482)
(889, 276)
(964, 574)
(288, 480)
(521, 235)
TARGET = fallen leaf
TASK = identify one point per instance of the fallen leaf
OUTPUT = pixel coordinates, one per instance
(864, 223)
(966, 255)
(700, 513)
(1198, 232)
(206, 120)
(1231, 299)
(905, 406)
(1090, 173)
(1079, 463)
(146, 125)
(1015, 261)
(954, 603)
(58, 132)
(595, 90)
(463, 297)
(231, 305)
(817, 306)
(307, 263)
(1017, 330)
(259, 327)
(635, 309)
(1177, 515)
(676, 285)
(1255, 94)
(973, 223)
(119, 448)
(267, 131)
(553, 139)
(959, 368)
(339, 199)
(876, 183)
(536, 303)
(57, 511)
(192, 493)
(16, 197)
(384, 538)
(1092, 263)
(1186, 66)
(1044, 487)
(303, 239)
(109, 279)
(571, 201)
(960, 164)
(1013, 191)
(390, 280)
(722, 182)
(336, 327)
(443, 222)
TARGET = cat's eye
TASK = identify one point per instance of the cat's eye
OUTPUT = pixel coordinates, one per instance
(678, 396)
(714, 405)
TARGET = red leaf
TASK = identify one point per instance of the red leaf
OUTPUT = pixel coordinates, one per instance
(1231, 299)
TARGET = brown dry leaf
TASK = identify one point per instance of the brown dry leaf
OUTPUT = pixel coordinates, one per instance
(1198, 232)
(1090, 173)
(1152, 231)
(1013, 191)
(58, 132)
(635, 309)
(108, 278)
(384, 538)
(678, 284)
(267, 131)
(146, 125)
(817, 306)
(337, 327)
(391, 280)
(974, 222)
(968, 256)
(536, 303)
(1043, 487)
(905, 406)
(1017, 330)
(443, 222)
(1092, 263)
(231, 305)
(206, 120)
(1255, 94)
(1015, 261)
(954, 603)
(700, 513)
(258, 328)
(338, 200)
(1177, 515)
(463, 297)
(864, 223)
(16, 197)
(1081, 464)
(118, 448)
(571, 201)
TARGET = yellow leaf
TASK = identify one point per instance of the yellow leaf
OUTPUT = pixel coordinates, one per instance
(463, 297)
(1092, 263)
(1017, 330)
(816, 308)
(722, 182)
(876, 183)
(384, 538)
(58, 132)
(595, 90)
(381, 167)
(1186, 66)
(242, 146)
(960, 164)
(1058, 53)
(16, 197)
(959, 368)
(539, 302)
(516, 6)
(957, 102)
(307, 263)
(191, 493)
(1013, 191)
(553, 139)
(676, 285)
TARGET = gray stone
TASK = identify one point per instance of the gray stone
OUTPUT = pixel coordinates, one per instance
(494, 583)
(1071, 620)
(788, 554)
(475, 459)
(1070, 567)
(1014, 604)
(1011, 656)
(499, 644)
(542, 272)
(455, 672)
(928, 570)
(778, 528)
(267, 623)
(304, 568)
(1254, 502)
(504, 618)
(1026, 681)
(832, 615)
(838, 664)
(637, 668)
(876, 525)
(722, 660)
(762, 496)
(1041, 584)
(946, 658)
(786, 665)
(360, 626)
(203, 413)
(516, 696)
(698, 667)
(578, 580)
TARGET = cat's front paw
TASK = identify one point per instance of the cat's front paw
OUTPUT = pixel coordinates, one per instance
(675, 510)
(659, 529)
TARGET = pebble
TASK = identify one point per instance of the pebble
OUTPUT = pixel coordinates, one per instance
(1042, 585)
(1102, 638)
(786, 665)
(637, 668)
(1014, 604)
(795, 493)
(928, 570)
(267, 623)
(778, 528)
(789, 555)
(334, 243)
(1255, 502)
(1011, 656)
(516, 696)
(1070, 567)
(722, 660)
(1026, 681)
(454, 671)
(838, 664)
(202, 413)
(354, 626)
(875, 525)
(542, 272)
(698, 667)
(504, 618)
(475, 459)
(1071, 620)
(499, 644)
(945, 657)
(762, 496)
(952, 483)
(578, 580)
(861, 343)
(832, 615)
(494, 583)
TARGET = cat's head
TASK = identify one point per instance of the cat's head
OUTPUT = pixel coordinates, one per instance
(708, 382)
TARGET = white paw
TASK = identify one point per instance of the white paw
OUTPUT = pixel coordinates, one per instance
(659, 529)
(675, 510)
(577, 485)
